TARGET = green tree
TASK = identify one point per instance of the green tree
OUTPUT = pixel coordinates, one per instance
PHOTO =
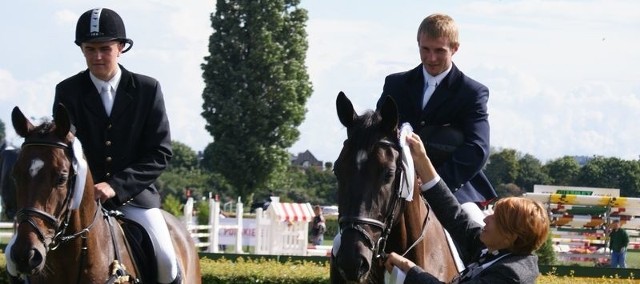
(562, 171)
(172, 205)
(183, 157)
(502, 167)
(182, 173)
(256, 88)
(508, 189)
(546, 255)
(611, 173)
(530, 173)
(2, 132)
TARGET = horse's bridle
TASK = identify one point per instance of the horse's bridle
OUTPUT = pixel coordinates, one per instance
(356, 222)
(59, 223)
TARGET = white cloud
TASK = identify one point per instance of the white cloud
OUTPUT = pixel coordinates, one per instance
(562, 74)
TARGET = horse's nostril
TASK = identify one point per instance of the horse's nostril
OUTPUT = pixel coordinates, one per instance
(35, 258)
(364, 268)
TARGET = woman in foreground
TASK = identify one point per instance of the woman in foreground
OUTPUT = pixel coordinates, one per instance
(501, 251)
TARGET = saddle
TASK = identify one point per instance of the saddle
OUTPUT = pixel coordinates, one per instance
(140, 246)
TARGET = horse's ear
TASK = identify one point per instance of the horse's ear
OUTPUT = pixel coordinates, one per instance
(20, 123)
(346, 113)
(61, 119)
(389, 113)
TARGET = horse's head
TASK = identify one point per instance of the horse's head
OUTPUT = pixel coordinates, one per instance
(368, 171)
(44, 175)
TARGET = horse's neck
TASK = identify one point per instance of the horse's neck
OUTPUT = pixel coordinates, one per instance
(409, 228)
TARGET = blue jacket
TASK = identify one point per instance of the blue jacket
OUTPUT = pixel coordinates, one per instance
(460, 102)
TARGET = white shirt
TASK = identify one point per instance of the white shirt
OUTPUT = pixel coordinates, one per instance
(112, 84)
(438, 78)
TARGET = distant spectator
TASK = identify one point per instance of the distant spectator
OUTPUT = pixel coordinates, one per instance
(8, 157)
(618, 242)
(318, 226)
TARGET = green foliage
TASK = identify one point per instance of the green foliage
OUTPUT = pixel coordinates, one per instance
(546, 255)
(256, 87)
(182, 173)
(611, 173)
(2, 132)
(509, 189)
(183, 157)
(202, 207)
(263, 271)
(512, 174)
(562, 171)
(332, 227)
(502, 167)
(172, 204)
(530, 173)
(308, 185)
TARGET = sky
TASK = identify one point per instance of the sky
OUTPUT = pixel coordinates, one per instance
(563, 75)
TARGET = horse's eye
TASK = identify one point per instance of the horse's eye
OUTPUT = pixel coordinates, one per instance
(62, 179)
(388, 175)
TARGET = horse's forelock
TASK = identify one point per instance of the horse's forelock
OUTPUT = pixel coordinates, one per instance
(44, 129)
(365, 128)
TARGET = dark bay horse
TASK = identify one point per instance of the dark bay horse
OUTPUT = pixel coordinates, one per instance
(374, 219)
(63, 235)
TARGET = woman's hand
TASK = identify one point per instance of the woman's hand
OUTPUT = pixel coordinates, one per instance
(422, 164)
(394, 259)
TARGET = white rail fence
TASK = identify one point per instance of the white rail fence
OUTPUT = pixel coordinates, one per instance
(282, 229)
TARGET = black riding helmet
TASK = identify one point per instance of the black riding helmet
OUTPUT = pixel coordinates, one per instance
(101, 24)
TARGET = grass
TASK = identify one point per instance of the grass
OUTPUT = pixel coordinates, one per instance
(319, 272)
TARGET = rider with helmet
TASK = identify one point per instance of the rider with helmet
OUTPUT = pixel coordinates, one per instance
(120, 118)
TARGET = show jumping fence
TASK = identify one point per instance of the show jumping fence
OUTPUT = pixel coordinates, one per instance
(580, 218)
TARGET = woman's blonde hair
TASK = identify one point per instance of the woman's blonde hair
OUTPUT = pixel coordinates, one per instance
(524, 218)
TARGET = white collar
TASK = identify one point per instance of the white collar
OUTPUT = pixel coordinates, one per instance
(113, 82)
(438, 77)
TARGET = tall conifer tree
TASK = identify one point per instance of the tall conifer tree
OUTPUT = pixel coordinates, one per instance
(256, 88)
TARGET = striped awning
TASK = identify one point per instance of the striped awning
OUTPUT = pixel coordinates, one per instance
(293, 212)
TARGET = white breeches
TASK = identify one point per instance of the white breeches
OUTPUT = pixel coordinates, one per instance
(153, 221)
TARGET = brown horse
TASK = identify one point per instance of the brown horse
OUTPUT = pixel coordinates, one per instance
(60, 241)
(374, 218)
